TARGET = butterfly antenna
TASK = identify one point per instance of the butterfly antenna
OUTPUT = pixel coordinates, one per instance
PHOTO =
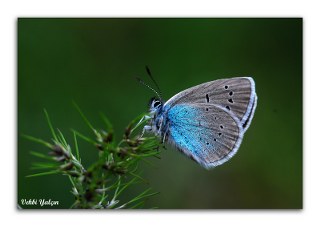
(154, 81)
(146, 85)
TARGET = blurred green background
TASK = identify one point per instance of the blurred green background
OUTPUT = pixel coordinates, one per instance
(94, 62)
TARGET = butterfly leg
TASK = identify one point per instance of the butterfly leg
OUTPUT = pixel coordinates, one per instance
(164, 138)
(145, 128)
(163, 145)
(160, 125)
(144, 118)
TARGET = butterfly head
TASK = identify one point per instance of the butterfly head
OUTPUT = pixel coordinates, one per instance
(155, 105)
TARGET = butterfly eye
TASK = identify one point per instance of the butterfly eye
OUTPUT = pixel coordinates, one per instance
(156, 103)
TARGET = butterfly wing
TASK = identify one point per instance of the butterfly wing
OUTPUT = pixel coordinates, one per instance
(236, 95)
(208, 134)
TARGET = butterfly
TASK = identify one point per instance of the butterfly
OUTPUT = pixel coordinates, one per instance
(205, 122)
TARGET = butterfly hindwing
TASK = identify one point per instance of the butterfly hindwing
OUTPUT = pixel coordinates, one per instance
(207, 133)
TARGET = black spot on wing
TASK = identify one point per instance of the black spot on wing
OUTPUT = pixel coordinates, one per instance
(207, 98)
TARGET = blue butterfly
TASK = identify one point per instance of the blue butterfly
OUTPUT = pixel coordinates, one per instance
(205, 122)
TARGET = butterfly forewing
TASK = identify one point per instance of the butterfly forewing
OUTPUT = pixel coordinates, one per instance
(236, 95)
(208, 134)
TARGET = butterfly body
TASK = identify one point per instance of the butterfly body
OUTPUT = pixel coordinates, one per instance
(206, 122)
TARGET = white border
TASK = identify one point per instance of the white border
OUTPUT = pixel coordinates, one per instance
(10, 10)
(253, 101)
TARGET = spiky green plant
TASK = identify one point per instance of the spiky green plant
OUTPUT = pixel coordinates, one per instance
(102, 184)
